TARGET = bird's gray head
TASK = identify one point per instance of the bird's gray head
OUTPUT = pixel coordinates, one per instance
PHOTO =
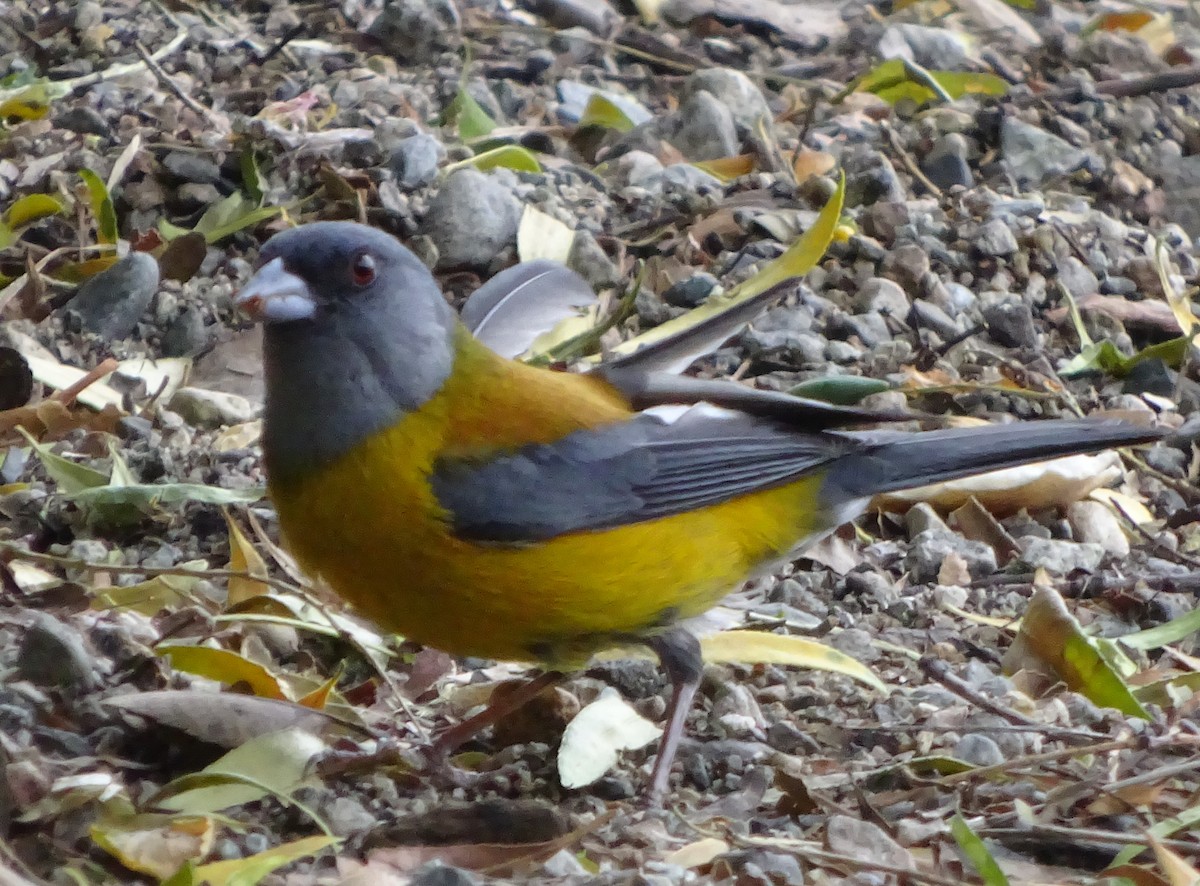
(356, 333)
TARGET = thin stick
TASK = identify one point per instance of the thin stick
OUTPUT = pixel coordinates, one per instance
(165, 79)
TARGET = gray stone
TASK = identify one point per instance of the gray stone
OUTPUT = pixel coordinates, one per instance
(865, 841)
(705, 129)
(347, 816)
(947, 163)
(1010, 323)
(927, 315)
(635, 168)
(1035, 155)
(1077, 277)
(931, 547)
(797, 348)
(883, 296)
(1058, 556)
(53, 654)
(907, 264)
(111, 303)
(415, 160)
(416, 30)
(186, 336)
(692, 292)
(597, 16)
(995, 238)
(921, 517)
(591, 262)
(978, 749)
(212, 409)
(189, 166)
(437, 874)
(735, 91)
(1093, 523)
(84, 120)
(472, 219)
(684, 177)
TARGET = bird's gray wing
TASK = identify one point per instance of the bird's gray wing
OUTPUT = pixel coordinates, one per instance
(636, 470)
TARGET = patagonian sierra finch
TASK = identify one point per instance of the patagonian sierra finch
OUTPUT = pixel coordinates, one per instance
(495, 509)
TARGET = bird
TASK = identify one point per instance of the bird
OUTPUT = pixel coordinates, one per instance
(495, 509)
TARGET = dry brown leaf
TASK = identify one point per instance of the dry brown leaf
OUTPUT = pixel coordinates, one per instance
(807, 164)
(1147, 314)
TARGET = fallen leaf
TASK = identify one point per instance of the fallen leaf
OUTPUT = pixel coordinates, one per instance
(595, 738)
(253, 868)
(223, 718)
(1050, 639)
(760, 647)
(224, 666)
(542, 236)
(154, 844)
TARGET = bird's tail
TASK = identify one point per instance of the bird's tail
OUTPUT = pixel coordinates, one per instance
(893, 461)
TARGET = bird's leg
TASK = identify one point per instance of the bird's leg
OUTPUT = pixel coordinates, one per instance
(679, 652)
(450, 740)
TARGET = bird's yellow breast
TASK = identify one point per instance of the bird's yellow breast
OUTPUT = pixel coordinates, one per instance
(370, 525)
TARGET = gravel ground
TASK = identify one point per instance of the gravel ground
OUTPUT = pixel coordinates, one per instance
(972, 225)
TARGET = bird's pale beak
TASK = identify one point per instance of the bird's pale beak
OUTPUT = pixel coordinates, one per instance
(275, 295)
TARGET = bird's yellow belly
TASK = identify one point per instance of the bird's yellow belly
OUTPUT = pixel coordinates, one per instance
(379, 538)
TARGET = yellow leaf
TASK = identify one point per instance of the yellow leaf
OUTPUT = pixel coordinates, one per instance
(155, 844)
(759, 647)
(244, 558)
(320, 696)
(1179, 872)
(32, 103)
(601, 111)
(800, 258)
(224, 667)
(31, 208)
(253, 868)
(728, 168)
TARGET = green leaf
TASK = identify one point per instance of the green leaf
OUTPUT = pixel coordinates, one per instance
(252, 179)
(150, 495)
(473, 121)
(72, 478)
(896, 79)
(272, 764)
(1051, 637)
(512, 157)
(1170, 632)
(1104, 357)
(843, 390)
(31, 208)
(976, 852)
(230, 215)
(249, 871)
(102, 206)
(600, 111)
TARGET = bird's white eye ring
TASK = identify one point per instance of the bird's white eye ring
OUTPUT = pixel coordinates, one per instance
(362, 269)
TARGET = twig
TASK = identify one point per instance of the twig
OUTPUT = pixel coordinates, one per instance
(67, 395)
(938, 670)
(909, 163)
(165, 79)
(1168, 552)
(63, 87)
(1076, 835)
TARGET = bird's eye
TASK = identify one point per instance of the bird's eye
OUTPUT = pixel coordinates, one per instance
(362, 269)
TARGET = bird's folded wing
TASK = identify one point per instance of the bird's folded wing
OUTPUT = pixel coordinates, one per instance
(629, 472)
